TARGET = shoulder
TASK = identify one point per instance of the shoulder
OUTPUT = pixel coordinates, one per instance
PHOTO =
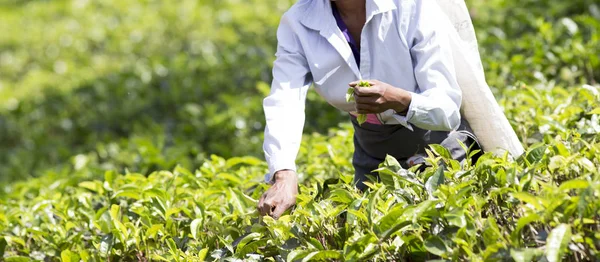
(296, 12)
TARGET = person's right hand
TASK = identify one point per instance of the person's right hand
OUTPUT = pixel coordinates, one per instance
(281, 196)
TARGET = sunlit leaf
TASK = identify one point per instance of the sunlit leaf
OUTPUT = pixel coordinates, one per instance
(194, 227)
(17, 259)
(68, 256)
(595, 111)
(557, 242)
(574, 184)
(523, 255)
(202, 254)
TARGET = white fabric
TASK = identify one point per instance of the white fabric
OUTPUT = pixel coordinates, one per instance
(406, 43)
(479, 107)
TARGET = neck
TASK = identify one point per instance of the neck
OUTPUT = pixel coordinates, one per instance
(351, 8)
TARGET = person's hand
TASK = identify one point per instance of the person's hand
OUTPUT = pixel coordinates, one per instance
(380, 97)
(281, 196)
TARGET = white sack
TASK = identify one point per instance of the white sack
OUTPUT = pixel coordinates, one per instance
(479, 107)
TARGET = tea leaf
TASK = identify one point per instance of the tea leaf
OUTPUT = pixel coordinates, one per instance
(574, 184)
(68, 256)
(595, 111)
(350, 95)
(436, 246)
(322, 255)
(194, 227)
(435, 181)
(441, 151)
(523, 255)
(17, 259)
(2, 246)
(202, 254)
(557, 242)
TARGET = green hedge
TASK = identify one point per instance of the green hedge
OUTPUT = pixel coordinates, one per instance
(543, 206)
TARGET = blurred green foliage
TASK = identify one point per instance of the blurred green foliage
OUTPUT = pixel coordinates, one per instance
(554, 42)
(182, 78)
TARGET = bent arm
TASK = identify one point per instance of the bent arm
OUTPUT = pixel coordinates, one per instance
(437, 106)
(284, 106)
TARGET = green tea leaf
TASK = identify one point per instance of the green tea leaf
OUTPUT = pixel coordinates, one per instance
(456, 217)
(574, 184)
(173, 247)
(391, 163)
(441, 151)
(194, 226)
(391, 218)
(323, 255)
(17, 259)
(521, 223)
(202, 254)
(296, 255)
(94, 186)
(536, 154)
(529, 199)
(11, 240)
(350, 95)
(155, 229)
(3, 245)
(252, 247)
(557, 242)
(68, 256)
(435, 181)
(85, 255)
(359, 215)
(523, 254)
(247, 239)
(436, 246)
(371, 205)
(361, 118)
(315, 243)
(109, 177)
(595, 111)
(491, 232)
(393, 229)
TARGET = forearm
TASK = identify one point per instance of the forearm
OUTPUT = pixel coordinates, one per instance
(401, 101)
(434, 110)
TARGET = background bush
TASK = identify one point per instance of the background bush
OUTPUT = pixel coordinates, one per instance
(99, 98)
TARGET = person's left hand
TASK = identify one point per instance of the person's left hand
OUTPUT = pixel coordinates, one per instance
(380, 97)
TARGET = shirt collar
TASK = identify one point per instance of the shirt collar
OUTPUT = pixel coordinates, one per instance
(318, 14)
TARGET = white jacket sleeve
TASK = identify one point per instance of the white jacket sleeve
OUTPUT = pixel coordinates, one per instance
(284, 106)
(437, 106)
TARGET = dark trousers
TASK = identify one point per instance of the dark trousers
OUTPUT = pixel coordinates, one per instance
(373, 142)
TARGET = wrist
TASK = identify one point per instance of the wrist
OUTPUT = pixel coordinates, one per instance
(285, 174)
(402, 100)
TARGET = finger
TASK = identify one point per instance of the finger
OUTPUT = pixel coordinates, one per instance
(366, 91)
(356, 83)
(267, 209)
(365, 109)
(368, 100)
(279, 210)
(263, 207)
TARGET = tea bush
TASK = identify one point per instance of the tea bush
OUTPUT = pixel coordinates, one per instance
(543, 206)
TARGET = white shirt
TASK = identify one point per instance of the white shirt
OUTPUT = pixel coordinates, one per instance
(404, 43)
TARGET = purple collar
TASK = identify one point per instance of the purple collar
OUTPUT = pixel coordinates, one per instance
(346, 32)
